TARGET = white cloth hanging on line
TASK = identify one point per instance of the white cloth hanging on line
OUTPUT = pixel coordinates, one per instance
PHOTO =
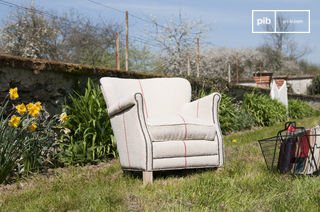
(280, 94)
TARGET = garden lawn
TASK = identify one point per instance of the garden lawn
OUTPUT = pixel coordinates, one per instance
(243, 184)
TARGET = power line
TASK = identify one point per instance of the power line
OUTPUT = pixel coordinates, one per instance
(3, 3)
(145, 42)
(69, 24)
(121, 11)
(103, 5)
(136, 38)
(6, 3)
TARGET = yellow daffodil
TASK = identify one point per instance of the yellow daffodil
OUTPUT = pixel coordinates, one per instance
(30, 105)
(39, 105)
(32, 127)
(63, 117)
(13, 92)
(33, 109)
(21, 109)
(14, 121)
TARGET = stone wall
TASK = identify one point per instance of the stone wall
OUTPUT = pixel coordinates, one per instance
(237, 91)
(50, 82)
(297, 84)
(300, 86)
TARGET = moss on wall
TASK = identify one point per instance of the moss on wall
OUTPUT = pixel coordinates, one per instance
(49, 81)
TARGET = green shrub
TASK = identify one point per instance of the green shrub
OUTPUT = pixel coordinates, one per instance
(314, 88)
(299, 109)
(228, 111)
(87, 137)
(244, 119)
(228, 115)
(232, 117)
(26, 138)
(266, 111)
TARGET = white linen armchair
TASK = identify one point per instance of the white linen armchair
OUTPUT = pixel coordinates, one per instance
(156, 127)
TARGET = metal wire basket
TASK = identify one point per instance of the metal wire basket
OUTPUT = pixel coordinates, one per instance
(294, 149)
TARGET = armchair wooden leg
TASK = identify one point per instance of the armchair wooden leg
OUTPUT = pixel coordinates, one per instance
(147, 177)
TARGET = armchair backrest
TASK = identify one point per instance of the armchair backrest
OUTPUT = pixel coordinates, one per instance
(160, 95)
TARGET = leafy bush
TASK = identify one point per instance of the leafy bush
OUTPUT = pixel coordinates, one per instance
(314, 88)
(87, 134)
(299, 109)
(232, 117)
(244, 119)
(228, 115)
(26, 137)
(265, 110)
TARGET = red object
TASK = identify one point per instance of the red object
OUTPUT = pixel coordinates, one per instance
(291, 129)
(304, 146)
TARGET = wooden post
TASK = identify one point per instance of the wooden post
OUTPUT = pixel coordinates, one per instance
(147, 177)
(198, 57)
(237, 75)
(229, 73)
(117, 51)
(188, 66)
(127, 42)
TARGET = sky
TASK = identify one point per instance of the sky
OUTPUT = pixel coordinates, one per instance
(230, 21)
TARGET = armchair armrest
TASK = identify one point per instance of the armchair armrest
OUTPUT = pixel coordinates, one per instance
(132, 137)
(205, 108)
(121, 105)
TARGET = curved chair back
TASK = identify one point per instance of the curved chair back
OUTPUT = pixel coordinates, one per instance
(160, 95)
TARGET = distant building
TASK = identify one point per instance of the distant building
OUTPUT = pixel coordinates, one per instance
(296, 84)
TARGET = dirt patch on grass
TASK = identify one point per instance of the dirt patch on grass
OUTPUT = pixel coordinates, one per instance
(133, 203)
(50, 174)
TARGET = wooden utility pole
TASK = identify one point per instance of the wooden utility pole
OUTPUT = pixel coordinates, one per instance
(229, 73)
(127, 42)
(198, 57)
(188, 66)
(117, 51)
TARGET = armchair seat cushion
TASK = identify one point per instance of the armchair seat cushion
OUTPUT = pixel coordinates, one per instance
(191, 148)
(178, 127)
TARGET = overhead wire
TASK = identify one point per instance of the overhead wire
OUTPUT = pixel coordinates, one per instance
(69, 22)
(135, 38)
(10, 4)
(145, 42)
(129, 14)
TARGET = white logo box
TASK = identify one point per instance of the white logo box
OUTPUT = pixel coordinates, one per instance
(260, 19)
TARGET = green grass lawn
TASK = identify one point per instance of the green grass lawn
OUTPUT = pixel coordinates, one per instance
(243, 184)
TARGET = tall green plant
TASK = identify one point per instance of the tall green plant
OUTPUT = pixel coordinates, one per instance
(314, 88)
(300, 109)
(26, 137)
(10, 146)
(87, 137)
(228, 114)
(265, 110)
(232, 117)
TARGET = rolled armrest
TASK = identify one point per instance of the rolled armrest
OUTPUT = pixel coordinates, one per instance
(205, 108)
(121, 105)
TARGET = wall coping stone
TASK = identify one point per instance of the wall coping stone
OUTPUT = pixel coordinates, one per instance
(41, 65)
